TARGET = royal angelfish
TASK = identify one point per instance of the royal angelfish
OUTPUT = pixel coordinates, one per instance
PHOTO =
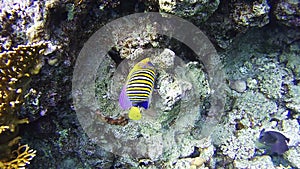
(138, 88)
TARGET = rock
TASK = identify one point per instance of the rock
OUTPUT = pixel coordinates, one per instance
(238, 85)
(287, 12)
(247, 14)
(191, 9)
(293, 98)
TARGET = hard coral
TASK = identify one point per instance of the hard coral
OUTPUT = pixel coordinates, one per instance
(287, 12)
(255, 14)
(130, 44)
(21, 22)
(242, 146)
(16, 67)
(200, 9)
(23, 155)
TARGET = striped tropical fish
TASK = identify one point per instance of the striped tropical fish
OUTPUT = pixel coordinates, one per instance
(138, 88)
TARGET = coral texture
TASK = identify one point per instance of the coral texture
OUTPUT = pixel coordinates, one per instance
(200, 9)
(16, 67)
(288, 12)
(251, 14)
(22, 157)
(260, 59)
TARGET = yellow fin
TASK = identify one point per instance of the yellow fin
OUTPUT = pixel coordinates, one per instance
(134, 113)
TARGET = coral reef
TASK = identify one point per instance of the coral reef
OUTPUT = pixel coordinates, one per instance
(133, 46)
(241, 146)
(173, 88)
(22, 157)
(290, 58)
(287, 12)
(249, 14)
(168, 122)
(269, 102)
(292, 100)
(248, 109)
(293, 155)
(263, 91)
(234, 18)
(16, 68)
(291, 130)
(203, 153)
(22, 23)
(201, 10)
(270, 79)
(263, 162)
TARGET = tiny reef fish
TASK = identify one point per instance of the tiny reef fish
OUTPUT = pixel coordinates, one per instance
(275, 141)
(137, 91)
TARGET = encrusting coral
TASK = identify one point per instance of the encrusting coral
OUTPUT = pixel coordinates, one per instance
(202, 9)
(16, 67)
(251, 14)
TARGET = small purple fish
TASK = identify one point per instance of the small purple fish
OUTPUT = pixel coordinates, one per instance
(275, 141)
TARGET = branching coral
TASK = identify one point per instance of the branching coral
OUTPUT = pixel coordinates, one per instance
(23, 155)
(16, 67)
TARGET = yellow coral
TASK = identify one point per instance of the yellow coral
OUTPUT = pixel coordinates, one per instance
(23, 155)
(3, 128)
(16, 67)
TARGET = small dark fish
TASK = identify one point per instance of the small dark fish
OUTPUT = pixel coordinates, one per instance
(275, 141)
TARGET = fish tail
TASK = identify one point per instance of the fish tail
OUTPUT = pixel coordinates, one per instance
(134, 113)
